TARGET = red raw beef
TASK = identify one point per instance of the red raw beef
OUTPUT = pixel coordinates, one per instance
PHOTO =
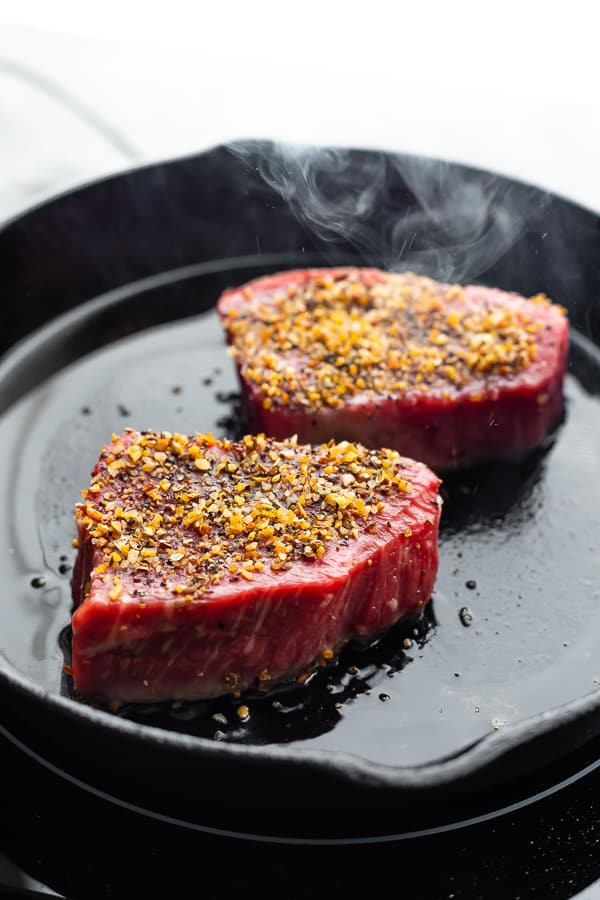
(206, 566)
(445, 374)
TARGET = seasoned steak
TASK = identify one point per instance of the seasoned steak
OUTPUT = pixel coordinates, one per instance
(446, 374)
(206, 566)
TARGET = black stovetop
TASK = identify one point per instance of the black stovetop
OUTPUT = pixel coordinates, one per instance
(82, 846)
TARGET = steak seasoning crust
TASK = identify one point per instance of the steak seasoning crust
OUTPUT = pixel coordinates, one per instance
(446, 374)
(206, 566)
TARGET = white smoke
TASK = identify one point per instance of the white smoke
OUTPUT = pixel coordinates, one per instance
(399, 212)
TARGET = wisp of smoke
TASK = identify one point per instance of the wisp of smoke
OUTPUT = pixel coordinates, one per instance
(399, 212)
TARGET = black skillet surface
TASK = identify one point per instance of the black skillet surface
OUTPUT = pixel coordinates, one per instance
(465, 711)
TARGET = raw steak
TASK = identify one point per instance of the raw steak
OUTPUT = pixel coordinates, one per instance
(446, 374)
(206, 566)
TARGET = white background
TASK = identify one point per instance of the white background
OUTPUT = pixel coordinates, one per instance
(509, 86)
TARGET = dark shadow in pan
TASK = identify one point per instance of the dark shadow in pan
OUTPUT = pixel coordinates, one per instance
(483, 496)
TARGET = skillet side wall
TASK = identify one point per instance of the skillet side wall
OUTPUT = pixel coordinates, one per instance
(319, 797)
(213, 206)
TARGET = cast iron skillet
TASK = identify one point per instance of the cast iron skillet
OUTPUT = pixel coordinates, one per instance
(108, 320)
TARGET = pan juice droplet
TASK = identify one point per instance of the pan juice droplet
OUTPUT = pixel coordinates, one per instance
(38, 582)
(466, 616)
(384, 697)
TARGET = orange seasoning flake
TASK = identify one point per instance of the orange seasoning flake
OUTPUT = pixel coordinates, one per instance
(248, 507)
(324, 341)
